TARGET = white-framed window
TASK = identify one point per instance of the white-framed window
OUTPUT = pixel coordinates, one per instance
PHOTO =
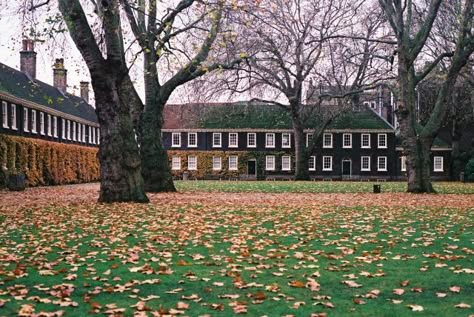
(347, 140)
(79, 133)
(69, 131)
(233, 139)
(312, 163)
(55, 126)
(382, 164)
(373, 104)
(286, 163)
(33, 121)
(251, 140)
(50, 128)
(94, 137)
(269, 140)
(216, 163)
(4, 114)
(98, 135)
(63, 129)
(84, 133)
(233, 163)
(438, 164)
(217, 139)
(192, 139)
(327, 163)
(13, 116)
(192, 162)
(365, 141)
(327, 141)
(309, 139)
(403, 163)
(74, 131)
(286, 140)
(90, 135)
(270, 163)
(382, 141)
(176, 163)
(41, 123)
(175, 139)
(365, 163)
(25, 119)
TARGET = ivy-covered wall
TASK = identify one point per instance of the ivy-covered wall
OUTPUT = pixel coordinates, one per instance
(47, 163)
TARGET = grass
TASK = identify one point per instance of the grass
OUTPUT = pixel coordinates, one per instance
(212, 258)
(313, 187)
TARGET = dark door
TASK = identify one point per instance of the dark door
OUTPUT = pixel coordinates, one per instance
(252, 167)
(346, 168)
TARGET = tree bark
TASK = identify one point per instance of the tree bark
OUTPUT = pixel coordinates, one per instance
(419, 165)
(301, 158)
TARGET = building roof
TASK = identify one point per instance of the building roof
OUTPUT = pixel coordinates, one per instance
(242, 115)
(19, 85)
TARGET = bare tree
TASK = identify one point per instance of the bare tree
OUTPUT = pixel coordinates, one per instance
(412, 24)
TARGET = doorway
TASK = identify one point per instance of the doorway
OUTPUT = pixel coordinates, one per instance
(346, 169)
(252, 167)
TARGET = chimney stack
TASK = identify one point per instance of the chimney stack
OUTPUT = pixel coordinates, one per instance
(85, 91)
(28, 58)
(60, 75)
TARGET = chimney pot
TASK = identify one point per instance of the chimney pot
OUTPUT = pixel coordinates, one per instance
(28, 58)
(60, 75)
(85, 91)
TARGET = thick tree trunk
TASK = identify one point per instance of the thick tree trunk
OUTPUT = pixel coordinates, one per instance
(301, 159)
(121, 179)
(419, 165)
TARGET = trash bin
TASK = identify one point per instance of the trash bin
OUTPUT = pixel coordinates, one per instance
(16, 182)
(185, 176)
(377, 189)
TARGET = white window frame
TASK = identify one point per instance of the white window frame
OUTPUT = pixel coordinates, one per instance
(94, 135)
(63, 130)
(349, 145)
(191, 144)
(69, 131)
(90, 135)
(25, 119)
(438, 164)
(5, 114)
(254, 145)
(327, 137)
(33, 121)
(233, 163)
(362, 146)
(362, 168)
(74, 131)
(270, 162)
(312, 163)
(84, 133)
(403, 163)
(217, 136)
(309, 138)
(288, 137)
(13, 116)
(216, 163)
(286, 163)
(41, 123)
(192, 159)
(236, 143)
(373, 105)
(381, 167)
(327, 159)
(175, 163)
(268, 137)
(50, 128)
(98, 135)
(173, 143)
(382, 140)
(55, 126)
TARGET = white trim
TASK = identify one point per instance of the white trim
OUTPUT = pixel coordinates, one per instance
(281, 130)
(33, 121)
(74, 131)
(13, 116)
(344, 146)
(438, 164)
(382, 137)
(312, 159)
(25, 119)
(236, 144)
(286, 146)
(403, 163)
(192, 167)
(309, 138)
(330, 163)
(269, 145)
(173, 143)
(219, 138)
(270, 162)
(69, 131)
(175, 163)
(362, 168)
(286, 166)
(189, 139)
(55, 126)
(84, 133)
(255, 139)
(5, 114)
(216, 163)
(50, 127)
(41, 123)
(63, 130)
(233, 167)
(329, 145)
(382, 168)
(362, 146)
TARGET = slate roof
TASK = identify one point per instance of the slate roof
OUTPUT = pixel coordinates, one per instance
(18, 84)
(242, 115)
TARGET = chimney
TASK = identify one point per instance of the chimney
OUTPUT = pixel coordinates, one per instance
(85, 91)
(28, 58)
(60, 75)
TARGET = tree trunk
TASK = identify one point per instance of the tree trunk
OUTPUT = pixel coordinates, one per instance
(419, 167)
(121, 179)
(301, 160)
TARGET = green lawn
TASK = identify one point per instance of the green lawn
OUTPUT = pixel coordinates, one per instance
(219, 259)
(313, 187)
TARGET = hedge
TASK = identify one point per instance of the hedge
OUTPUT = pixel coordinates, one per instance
(47, 163)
